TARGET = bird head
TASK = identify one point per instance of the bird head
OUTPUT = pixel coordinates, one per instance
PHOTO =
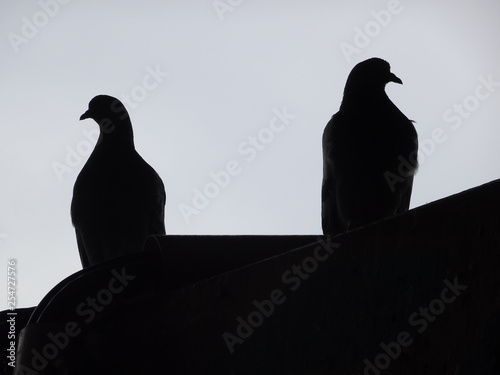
(370, 76)
(107, 111)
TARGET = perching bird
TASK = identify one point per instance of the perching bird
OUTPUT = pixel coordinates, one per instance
(369, 153)
(118, 198)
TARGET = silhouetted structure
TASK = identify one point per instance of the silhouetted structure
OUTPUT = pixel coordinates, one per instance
(118, 198)
(412, 294)
(369, 153)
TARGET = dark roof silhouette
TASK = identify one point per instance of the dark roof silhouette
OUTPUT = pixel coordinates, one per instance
(118, 198)
(369, 153)
(412, 294)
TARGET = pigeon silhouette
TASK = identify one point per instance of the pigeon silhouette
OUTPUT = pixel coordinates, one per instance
(118, 198)
(369, 153)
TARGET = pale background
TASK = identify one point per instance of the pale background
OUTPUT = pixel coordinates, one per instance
(226, 74)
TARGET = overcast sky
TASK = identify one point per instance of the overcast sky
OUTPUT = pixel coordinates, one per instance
(203, 80)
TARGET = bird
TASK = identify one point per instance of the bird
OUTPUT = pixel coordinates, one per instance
(118, 198)
(369, 153)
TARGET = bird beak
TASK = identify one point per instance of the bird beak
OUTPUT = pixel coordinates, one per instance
(393, 78)
(86, 115)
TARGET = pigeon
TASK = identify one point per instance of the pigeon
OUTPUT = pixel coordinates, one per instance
(118, 198)
(369, 153)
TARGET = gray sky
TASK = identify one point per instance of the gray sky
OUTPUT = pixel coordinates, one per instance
(201, 77)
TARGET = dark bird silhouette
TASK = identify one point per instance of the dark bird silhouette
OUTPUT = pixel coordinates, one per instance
(369, 153)
(118, 198)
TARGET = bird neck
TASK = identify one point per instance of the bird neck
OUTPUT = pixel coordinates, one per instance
(116, 133)
(356, 99)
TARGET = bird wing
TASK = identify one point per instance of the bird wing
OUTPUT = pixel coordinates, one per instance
(331, 221)
(150, 192)
(157, 214)
(404, 204)
(81, 249)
